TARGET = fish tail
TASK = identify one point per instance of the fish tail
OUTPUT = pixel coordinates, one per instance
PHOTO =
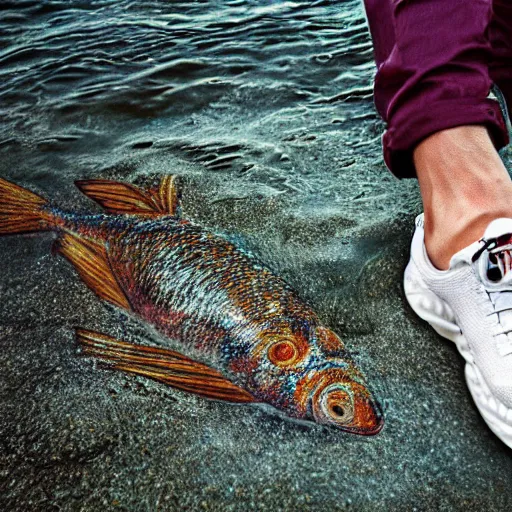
(22, 211)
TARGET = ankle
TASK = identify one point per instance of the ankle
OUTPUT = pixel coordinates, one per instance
(444, 239)
(464, 186)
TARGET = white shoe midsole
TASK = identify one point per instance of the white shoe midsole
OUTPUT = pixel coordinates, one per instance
(431, 308)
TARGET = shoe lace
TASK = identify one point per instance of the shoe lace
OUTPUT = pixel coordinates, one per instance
(499, 264)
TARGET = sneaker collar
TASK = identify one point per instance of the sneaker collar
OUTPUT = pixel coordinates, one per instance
(495, 229)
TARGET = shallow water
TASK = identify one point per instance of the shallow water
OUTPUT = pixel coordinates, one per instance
(264, 109)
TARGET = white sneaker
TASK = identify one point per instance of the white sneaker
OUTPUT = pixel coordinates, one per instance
(471, 304)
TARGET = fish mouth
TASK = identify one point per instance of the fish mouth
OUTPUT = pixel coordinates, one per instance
(371, 429)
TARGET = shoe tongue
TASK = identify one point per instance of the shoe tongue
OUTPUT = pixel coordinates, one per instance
(494, 265)
(497, 228)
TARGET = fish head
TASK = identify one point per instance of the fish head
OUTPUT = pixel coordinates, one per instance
(312, 377)
(332, 396)
(334, 390)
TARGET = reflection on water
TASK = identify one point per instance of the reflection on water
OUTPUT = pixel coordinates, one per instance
(147, 57)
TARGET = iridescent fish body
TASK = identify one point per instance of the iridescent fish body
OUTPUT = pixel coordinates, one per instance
(259, 340)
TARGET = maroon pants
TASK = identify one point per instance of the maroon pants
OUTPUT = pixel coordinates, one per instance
(436, 62)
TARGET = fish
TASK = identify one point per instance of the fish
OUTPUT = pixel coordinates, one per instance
(245, 335)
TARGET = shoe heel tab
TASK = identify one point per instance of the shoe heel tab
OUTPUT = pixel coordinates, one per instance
(420, 221)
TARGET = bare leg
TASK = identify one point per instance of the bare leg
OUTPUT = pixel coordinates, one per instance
(464, 186)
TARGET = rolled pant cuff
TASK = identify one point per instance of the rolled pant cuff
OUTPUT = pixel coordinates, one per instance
(407, 129)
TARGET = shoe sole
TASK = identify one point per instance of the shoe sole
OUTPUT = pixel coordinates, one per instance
(428, 306)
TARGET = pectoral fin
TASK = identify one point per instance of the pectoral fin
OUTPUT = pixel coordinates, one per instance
(167, 366)
(91, 261)
(124, 198)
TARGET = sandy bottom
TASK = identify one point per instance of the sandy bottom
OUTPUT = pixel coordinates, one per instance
(77, 437)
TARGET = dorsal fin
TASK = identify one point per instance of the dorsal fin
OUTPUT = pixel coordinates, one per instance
(167, 366)
(124, 198)
(166, 195)
(91, 261)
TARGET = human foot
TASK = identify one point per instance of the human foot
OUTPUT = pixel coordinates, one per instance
(464, 186)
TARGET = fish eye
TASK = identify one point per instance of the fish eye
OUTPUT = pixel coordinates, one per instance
(283, 352)
(338, 410)
(332, 397)
(336, 404)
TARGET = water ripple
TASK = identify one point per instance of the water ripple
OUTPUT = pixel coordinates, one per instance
(152, 56)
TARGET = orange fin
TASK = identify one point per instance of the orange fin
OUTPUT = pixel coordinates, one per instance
(124, 198)
(166, 195)
(167, 366)
(20, 210)
(91, 261)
